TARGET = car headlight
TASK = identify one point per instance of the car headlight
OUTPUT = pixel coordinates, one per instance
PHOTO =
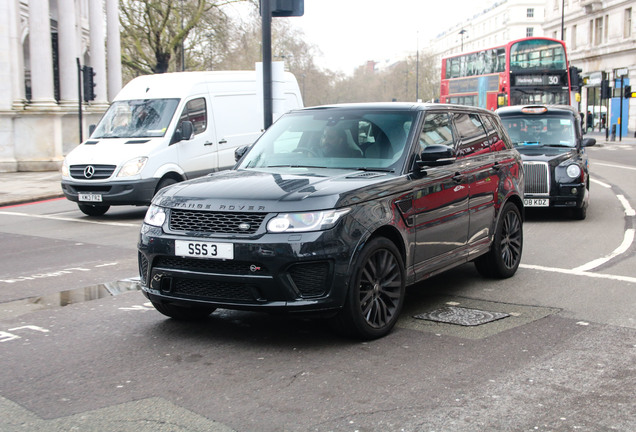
(155, 216)
(303, 222)
(65, 168)
(132, 167)
(573, 171)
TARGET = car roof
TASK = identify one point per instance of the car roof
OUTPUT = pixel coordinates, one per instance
(398, 106)
(549, 109)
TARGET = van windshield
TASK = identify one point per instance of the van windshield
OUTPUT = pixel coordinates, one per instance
(136, 118)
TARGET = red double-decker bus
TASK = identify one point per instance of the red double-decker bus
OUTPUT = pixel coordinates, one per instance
(525, 71)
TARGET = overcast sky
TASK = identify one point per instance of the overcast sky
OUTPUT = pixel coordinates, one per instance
(350, 32)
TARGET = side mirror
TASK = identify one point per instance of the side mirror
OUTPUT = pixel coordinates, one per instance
(588, 142)
(183, 132)
(91, 129)
(240, 152)
(436, 155)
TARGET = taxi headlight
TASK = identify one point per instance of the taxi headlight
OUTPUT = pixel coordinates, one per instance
(132, 167)
(304, 222)
(573, 171)
(155, 216)
(65, 168)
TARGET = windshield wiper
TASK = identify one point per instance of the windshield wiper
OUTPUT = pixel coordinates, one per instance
(293, 166)
(375, 169)
(559, 145)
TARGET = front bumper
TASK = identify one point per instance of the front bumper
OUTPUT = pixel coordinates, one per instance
(570, 195)
(306, 272)
(134, 192)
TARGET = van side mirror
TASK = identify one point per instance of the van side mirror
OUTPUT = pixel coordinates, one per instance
(183, 132)
(91, 129)
(240, 152)
(436, 155)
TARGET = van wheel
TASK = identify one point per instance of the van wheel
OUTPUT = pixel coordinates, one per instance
(93, 210)
(183, 313)
(165, 182)
(376, 292)
(505, 252)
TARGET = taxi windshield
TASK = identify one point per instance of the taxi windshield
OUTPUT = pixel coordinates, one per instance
(546, 130)
(136, 118)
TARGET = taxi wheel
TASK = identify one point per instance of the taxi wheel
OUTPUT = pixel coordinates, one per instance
(93, 210)
(376, 292)
(183, 313)
(505, 252)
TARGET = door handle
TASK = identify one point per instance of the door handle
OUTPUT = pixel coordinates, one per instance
(223, 141)
(208, 143)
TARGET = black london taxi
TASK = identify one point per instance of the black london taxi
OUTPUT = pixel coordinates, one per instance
(334, 210)
(551, 143)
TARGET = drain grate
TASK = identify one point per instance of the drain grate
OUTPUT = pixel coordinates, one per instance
(461, 316)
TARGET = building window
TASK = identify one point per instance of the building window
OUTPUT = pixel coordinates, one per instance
(590, 33)
(556, 4)
(598, 33)
(605, 34)
(529, 31)
(573, 37)
(627, 23)
(530, 13)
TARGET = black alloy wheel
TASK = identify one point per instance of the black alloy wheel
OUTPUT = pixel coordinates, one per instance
(376, 292)
(505, 252)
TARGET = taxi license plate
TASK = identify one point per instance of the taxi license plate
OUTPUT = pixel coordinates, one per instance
(536, 202)
(90, 197)
(204, 249)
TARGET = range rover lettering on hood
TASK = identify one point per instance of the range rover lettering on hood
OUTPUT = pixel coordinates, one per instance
(220, 207)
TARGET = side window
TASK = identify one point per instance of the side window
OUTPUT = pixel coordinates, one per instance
(196, 112)
(437, 130)
(472, 134)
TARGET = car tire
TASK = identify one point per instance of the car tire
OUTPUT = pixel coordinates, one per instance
(376, 292)
(504, 256)
(183, 313)
(93, 210)
(165, 182)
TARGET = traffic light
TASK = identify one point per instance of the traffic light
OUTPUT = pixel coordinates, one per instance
(606, 92)
(628, 92)
(89, 84)
(576, 80)
(287, 8)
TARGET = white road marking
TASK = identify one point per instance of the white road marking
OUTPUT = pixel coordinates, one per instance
(580, 273)
(58, 218)
(615, 166)
(600, 183)
(629, 211)
(628, 239)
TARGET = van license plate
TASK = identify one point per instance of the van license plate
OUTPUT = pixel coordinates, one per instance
(536, 202)
(203, 249)
(90, 197)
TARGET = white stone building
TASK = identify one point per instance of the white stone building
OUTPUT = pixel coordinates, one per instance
(40, 44)
(504, 21)
(601, 39)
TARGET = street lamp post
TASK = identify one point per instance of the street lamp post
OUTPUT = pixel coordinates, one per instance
(462, 32)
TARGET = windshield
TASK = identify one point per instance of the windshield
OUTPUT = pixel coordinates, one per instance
(136, 118)
(334, 138)
(537, 54)
(547, 130)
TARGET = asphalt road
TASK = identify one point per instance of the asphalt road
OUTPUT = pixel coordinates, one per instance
(75, 357)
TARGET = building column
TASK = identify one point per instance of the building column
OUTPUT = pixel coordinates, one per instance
(41, 53)
(113, 48)
(98, 49)
(68, 49)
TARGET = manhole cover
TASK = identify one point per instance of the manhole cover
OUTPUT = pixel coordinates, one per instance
(461, 316)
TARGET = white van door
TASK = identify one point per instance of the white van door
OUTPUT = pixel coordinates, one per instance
(238, 123)
(198, 156)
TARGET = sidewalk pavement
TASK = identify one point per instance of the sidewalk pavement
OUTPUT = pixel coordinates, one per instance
(24, 187)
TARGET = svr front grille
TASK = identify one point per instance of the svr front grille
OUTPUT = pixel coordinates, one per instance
(537, 178)
(215, 222)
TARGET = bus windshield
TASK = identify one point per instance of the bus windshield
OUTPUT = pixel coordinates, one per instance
(537, 54)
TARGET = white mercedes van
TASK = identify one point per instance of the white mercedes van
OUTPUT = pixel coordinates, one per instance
(165, 128)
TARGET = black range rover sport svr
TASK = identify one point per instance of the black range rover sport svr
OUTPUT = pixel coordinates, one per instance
(335, 210)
